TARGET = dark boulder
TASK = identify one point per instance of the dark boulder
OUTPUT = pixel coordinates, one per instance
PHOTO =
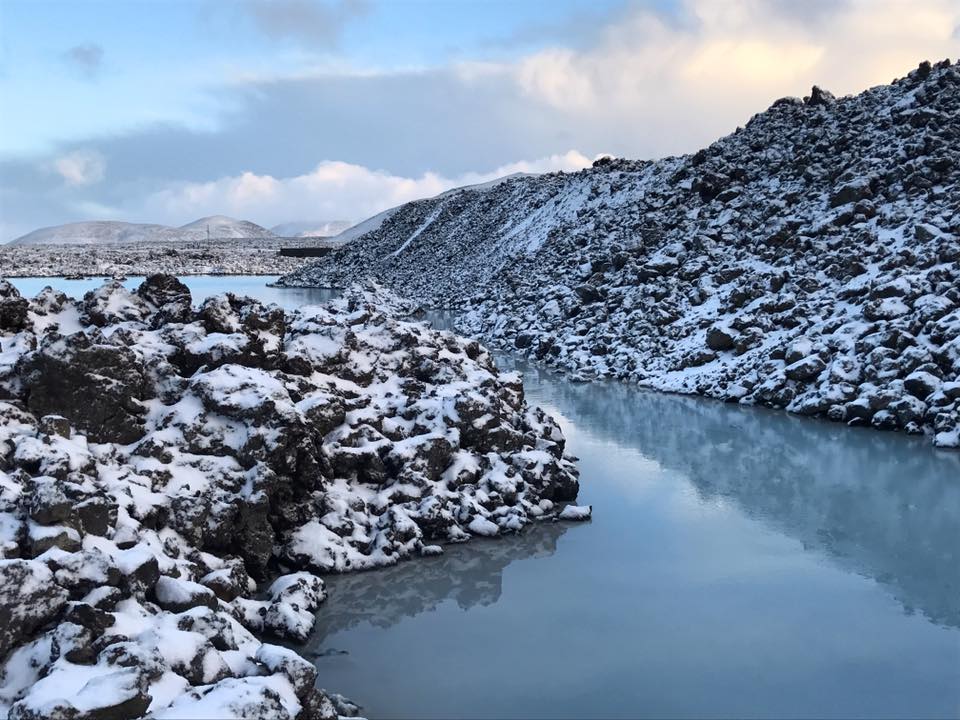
(170, 296)
(821, 97)
(13, 308)
(96, 386)
(29, 599)
(720, 338)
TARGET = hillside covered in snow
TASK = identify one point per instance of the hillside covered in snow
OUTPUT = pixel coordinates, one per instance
(103, 232)
(808, 261)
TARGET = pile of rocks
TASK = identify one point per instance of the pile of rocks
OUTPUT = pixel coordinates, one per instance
(159, 462)
(809, 261)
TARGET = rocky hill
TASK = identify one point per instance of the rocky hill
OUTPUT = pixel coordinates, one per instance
(104, 232)
(808, 261)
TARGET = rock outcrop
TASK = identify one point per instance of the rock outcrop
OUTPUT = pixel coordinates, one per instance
(832, 224)
(159, 462)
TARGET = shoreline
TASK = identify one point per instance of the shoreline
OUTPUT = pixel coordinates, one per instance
(168, 456)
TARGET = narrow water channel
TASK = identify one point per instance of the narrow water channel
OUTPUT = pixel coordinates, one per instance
(741, 562)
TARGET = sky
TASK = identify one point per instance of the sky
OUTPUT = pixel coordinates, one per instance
(313, 110)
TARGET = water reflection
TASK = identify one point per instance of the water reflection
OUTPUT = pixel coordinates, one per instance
(201, 287)
(470, 575)
(882, 505)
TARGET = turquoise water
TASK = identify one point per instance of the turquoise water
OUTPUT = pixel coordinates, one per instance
(200, 286)
(741, 562)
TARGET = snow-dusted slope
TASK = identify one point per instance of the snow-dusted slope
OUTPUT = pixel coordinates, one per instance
(91, 233)
(311, 228)
(808, 261)
(221, 226)
(102, 232)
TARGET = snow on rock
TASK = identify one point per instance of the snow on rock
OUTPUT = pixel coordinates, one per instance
(158, 459)
(809, 261)
(576, 512)
(164, 253)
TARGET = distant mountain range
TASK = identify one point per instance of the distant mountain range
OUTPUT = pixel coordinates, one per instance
(311, 228)
(99, 232)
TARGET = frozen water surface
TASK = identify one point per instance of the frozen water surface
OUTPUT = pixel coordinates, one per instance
(740, 562)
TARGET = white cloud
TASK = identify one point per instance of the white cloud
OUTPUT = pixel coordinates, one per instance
(333, 189)
(81, 167)
(684, 82)
(646, 85)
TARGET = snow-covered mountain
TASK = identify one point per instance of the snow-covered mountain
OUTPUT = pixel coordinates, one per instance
(221, 226)
(808, 261)
(99, 232)
(311, 228)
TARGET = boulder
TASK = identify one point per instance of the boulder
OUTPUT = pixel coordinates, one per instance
(170, 296)
(96, 386)
(805, 370)
(851, 192)
(820, 97)
(29, 599)
(921, 384)
(720, 338)
(13, 308)
(301, 673)
(177, 595)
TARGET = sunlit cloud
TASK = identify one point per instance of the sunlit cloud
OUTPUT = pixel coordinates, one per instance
(332, 189)
(644, 84)
(81, 167)
(726, 60)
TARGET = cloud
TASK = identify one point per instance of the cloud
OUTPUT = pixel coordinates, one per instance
(333, 189)
(90, 209)
(727, 60)
(81, 167)
(87, 59)
(646, 84)
(316, 22)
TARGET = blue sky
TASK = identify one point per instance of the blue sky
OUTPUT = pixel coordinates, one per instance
(162, 61)
(284, 110)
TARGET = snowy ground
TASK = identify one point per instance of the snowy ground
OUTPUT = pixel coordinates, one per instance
(173, 479)
(216, 257)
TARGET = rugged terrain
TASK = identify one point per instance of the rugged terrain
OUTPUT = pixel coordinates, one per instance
(160, 462)
(809, 261)
(201, 257)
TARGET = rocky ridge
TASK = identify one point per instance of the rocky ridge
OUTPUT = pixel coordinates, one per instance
(809, 261)
(159, 462)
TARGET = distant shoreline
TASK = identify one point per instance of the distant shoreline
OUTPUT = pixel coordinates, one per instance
(241, 256)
